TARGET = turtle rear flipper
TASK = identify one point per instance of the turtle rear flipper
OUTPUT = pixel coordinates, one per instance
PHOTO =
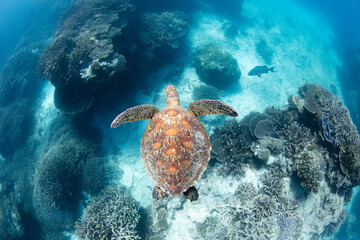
(141, 112)
(191, 194)
(157, 193)
(211, 107)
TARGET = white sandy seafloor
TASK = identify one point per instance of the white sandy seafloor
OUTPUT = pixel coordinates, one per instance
(301, 42)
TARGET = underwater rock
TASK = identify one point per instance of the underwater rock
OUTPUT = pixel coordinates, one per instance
(111, 215)
(216, 67)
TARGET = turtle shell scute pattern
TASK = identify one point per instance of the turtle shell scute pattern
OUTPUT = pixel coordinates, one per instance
(175, 149)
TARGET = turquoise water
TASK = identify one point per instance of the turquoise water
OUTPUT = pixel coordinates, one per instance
(285, 166)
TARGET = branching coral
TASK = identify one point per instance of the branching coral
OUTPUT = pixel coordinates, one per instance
(245, 192)
(111, 215)
(273, 183)
(230, 147)
(290, 226)
(308, 170)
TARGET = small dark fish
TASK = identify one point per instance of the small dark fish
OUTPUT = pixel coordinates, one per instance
(257, 71)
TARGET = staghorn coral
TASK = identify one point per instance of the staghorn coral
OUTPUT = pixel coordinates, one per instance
(264, 206)
(111, 215)
(245, 192)
(273, 184)
(308, 170)
(230, 147)
(216, 67)
(290, 226)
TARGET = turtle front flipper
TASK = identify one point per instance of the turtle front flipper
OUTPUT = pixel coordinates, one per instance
(141, 112)
(211, 107)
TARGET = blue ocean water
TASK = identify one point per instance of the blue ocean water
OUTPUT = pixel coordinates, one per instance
(286, 165)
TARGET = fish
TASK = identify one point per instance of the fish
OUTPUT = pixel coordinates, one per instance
(258, 70)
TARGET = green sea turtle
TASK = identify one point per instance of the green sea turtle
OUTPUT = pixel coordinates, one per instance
(175, 147)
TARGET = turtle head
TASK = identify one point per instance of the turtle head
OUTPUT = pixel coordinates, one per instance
(172, 97)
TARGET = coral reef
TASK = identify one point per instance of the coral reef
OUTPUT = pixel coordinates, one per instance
(321, 111)
(160, 35)
(16, 125)
(308, 170)
(102, 46)
(19, 87)
(111, 215)
(216, 67)
(206, 92)
(61, 174)
(86, 52)
(19, 78)
(272, 180)
(230, 147)
(10, 219)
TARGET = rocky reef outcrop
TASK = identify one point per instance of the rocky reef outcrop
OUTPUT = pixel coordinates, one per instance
(216, 67)
(101, 47)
